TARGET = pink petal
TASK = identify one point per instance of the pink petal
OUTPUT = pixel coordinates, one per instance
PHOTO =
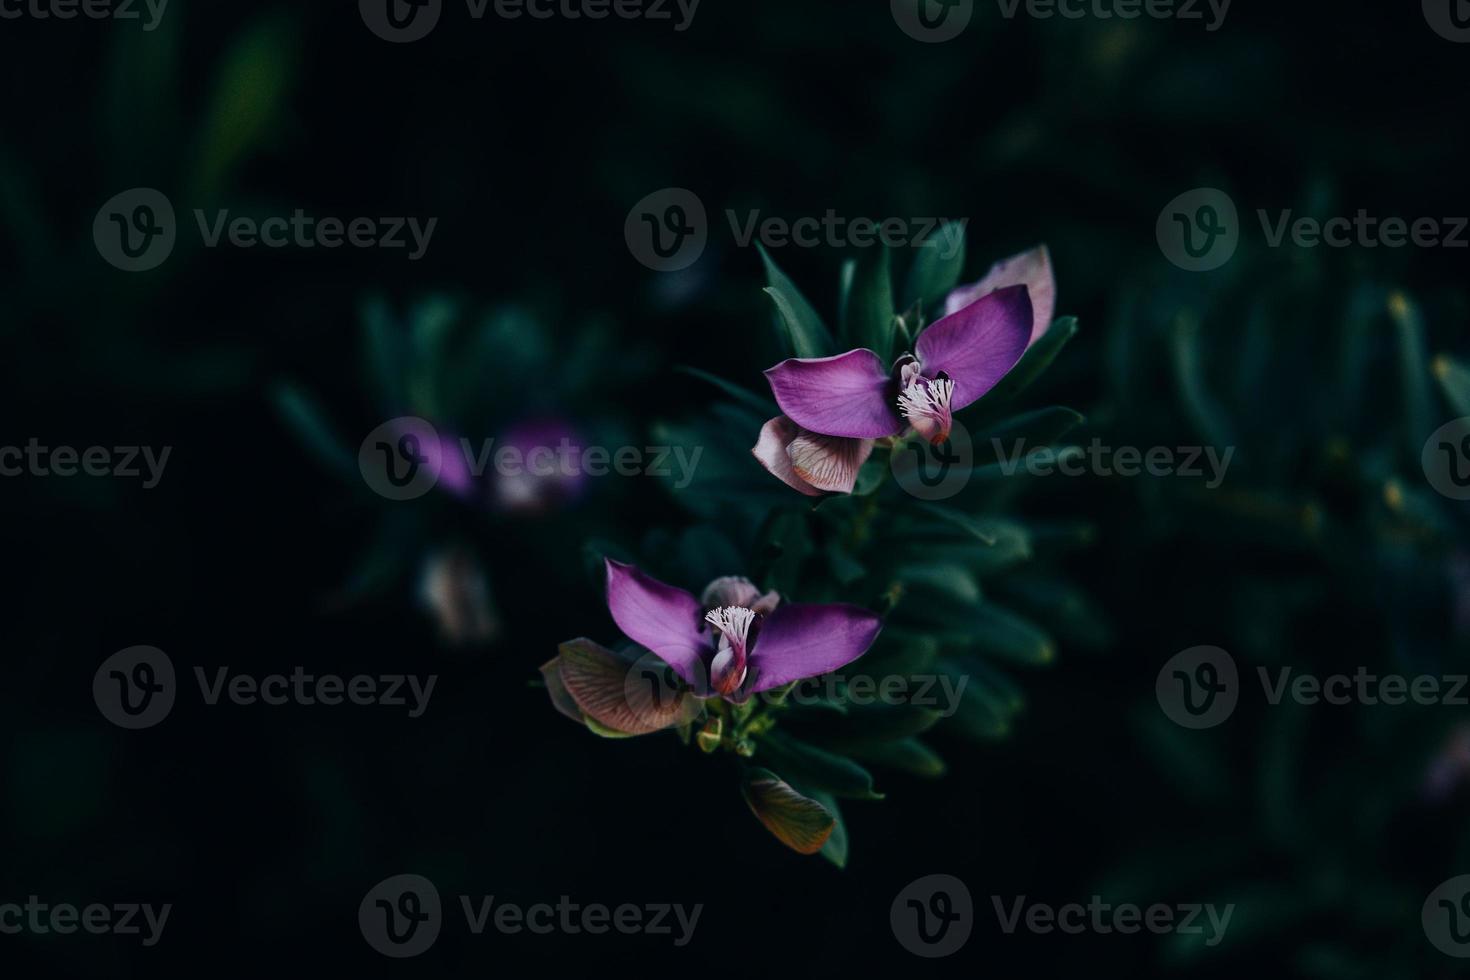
(802, 640)
(1030, 269)
(597, 681)
(845, 395)
(770, 452)
(828, 462)
(664, 619)
(737, 590)
(978, 345)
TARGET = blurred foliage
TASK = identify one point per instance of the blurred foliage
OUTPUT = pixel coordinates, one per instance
(1325, 551)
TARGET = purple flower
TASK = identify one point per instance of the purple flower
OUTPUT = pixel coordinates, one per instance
(732, 643)
(834, 407)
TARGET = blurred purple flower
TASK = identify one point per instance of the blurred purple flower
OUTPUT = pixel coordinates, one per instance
(549, 472)
(454, 590)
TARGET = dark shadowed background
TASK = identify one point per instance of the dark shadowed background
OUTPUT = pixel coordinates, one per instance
(530, 141)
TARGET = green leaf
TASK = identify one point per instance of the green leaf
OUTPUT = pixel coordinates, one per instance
(978, 718)
(1033, 363)
(871, 477)
(803, 332)
(877, 722)
(868, 319)
(1413, 372)
(1454, 380)
(976, 528)
(302, 414)
(992, 685)
(836, 848)
(908, 755)
(816, 768)
(387, 356)
(937, 267)
(1006, 636)
(1189, 371)
(801, 823)
(1033, 430)
(946, 578)
(1066, 609)
(245, 105)
(765, 406)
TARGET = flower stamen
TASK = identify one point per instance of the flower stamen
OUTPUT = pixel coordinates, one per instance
(925, 404)
(727, 671)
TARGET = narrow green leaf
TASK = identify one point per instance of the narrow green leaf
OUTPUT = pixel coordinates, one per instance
(908, 755)
(938, 263)
(766, 406)
(1006, 636)
(836, 848)
(816, 768)
(970, 525)
(244, 108)
(1413, 372)
(868, 319)
(1454, 381)
(302, 414)
(802, 330)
